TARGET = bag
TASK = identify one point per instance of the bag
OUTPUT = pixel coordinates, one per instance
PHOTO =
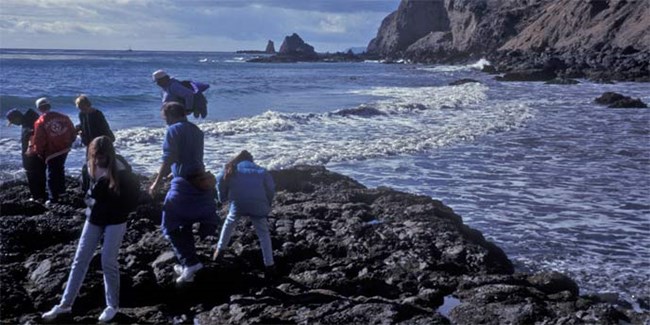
(205, 181)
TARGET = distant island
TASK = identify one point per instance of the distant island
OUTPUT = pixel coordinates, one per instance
(294, 49)
(270, 49)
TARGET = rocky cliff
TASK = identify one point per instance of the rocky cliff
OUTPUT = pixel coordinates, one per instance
(591, 38)
(346, 254)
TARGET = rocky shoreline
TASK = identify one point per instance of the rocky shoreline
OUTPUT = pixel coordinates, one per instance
(346, 254)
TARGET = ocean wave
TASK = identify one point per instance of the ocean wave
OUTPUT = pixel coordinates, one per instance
(478, 65)
(390, 126)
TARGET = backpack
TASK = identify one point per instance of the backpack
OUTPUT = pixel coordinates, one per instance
(200, 102)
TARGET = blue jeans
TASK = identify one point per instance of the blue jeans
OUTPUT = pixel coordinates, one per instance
(182, 241)
(56, 176)
(90, 237)
(261, 228)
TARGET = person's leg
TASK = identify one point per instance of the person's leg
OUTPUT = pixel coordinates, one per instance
(56, 176)
(113, 235)
(182, 242)
(227, 230)
(85, 178)
(262, 229)
(35, 171)
(87, 243)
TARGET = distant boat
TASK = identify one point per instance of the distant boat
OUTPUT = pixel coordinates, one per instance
(129, 49)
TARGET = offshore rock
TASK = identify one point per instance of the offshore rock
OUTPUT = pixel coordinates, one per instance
(616, 100)
(344, 254)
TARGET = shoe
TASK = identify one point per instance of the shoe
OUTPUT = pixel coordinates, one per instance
(270, 272)
(55, 312)
(188, 273)
(178, 269)
(108, 314)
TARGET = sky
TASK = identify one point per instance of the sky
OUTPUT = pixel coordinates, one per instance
(189, 25)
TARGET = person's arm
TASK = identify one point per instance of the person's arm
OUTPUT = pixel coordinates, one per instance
(222, 187)
(181, 91)
(162, 171)
(39, 140)
(170, 153)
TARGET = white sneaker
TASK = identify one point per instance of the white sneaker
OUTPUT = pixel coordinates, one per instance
(188, 273)
(55, 312)
(108, 314)
(178, 269)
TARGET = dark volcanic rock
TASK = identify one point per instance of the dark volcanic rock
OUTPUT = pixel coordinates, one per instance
(595, 39)
(462, 82)
(528, 75)
(345, 254)
(294, 45)
(270, 47)
(616, 100)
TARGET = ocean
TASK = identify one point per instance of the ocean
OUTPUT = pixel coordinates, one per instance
(558, 182)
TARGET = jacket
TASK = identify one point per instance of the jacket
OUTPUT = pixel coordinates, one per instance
(93, 125)
(250, 190)
(103, 207)
(54, 134)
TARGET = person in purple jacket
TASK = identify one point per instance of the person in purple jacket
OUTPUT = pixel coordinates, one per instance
(250, 190)
(188, 93)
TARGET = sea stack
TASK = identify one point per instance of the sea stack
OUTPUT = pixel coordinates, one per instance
(270, 47)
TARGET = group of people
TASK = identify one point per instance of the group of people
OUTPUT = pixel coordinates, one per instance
(111, 191)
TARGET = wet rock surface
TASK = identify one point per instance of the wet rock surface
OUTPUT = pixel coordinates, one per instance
(344, 253)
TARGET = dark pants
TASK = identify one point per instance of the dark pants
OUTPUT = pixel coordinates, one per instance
(56, 176)
(182, 242)
(35, 171)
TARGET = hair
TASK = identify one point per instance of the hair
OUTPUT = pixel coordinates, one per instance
(82, 99)
(102, 153)
(231, 166)
(173, 110)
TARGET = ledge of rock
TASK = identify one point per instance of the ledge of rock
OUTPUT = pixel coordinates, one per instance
(345, 254)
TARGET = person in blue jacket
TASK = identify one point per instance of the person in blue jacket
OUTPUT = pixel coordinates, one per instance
(250, 190)
(185, 204)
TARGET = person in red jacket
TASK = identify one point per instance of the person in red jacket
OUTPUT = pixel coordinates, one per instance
(54, 134)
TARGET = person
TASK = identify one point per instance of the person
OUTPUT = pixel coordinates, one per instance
(54, 134)
(33, 165)
(188, 93)
(92, 124)
(112, 195)
(250, 190)
(184, 203)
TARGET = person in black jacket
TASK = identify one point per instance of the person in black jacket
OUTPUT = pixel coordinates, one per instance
(92, 124)
(33, 165)
(112, 195)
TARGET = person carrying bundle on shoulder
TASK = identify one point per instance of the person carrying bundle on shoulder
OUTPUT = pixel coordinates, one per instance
(187, 92)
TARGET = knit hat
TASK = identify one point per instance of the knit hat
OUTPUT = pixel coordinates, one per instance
(159, 74)
(42, 101)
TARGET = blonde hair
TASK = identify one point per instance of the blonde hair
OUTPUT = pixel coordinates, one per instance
(101, 153)
(82, 99)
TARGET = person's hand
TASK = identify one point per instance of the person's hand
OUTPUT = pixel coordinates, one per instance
(154, 188)
(30, 151)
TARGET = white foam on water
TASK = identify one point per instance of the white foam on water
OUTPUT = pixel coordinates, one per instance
(478, 65)
(414, 120)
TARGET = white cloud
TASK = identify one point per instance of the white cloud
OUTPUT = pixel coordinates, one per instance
(216, 25)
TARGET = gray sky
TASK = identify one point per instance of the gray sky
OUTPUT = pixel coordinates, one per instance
(192, 25)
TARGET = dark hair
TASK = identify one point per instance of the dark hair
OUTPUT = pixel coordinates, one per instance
(102, 153)
(173, 110)
(231, 166)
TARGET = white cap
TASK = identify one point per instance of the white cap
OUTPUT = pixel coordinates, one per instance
(159, 74)
(42, 101)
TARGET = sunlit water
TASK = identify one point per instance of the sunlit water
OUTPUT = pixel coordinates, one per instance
(558, 182)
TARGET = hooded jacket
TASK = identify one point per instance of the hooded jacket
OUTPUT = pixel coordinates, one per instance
(250, 190)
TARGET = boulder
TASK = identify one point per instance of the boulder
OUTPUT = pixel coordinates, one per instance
(616, 100)
(270, 47)
(294, 45)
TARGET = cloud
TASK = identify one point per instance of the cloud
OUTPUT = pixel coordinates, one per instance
(216, 25)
